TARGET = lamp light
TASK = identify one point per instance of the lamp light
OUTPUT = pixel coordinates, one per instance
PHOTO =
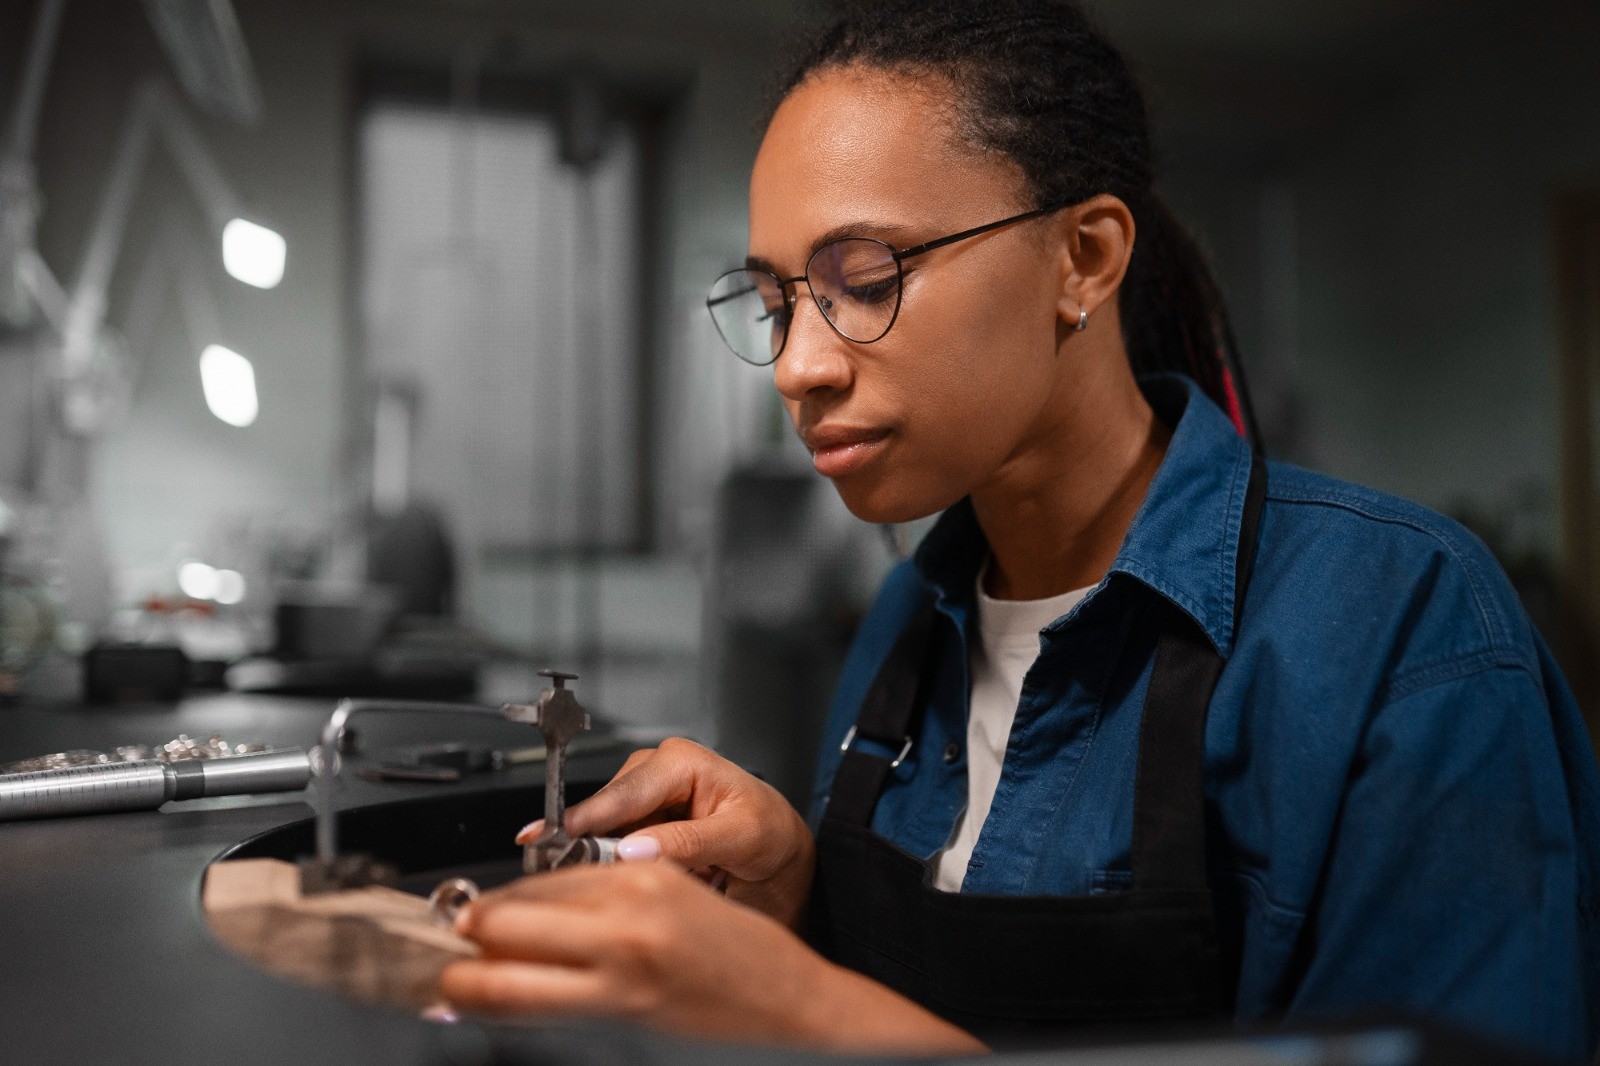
(252, 253)
(197, 580)
(230, 587)
(230, 385)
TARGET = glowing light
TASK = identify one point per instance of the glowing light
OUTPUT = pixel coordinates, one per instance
(230, 587)
(230, 385)
(197, 580)
(253, 254)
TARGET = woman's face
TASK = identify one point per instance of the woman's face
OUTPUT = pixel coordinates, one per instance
(960, 388)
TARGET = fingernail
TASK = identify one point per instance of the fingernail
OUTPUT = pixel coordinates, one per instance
(529, 831)
(639, 849)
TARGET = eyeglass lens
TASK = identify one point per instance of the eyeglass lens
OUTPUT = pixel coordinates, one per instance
(855, 282)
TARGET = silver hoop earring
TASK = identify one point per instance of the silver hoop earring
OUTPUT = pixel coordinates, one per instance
(1083, 320)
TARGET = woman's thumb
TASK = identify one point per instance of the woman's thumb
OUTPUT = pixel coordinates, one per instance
(683, 843)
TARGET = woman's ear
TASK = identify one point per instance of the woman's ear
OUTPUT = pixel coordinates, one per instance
(1098, 242)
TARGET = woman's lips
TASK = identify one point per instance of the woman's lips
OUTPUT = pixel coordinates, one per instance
(836, 452)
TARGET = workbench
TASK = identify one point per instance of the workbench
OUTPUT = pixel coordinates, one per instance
(107, 956)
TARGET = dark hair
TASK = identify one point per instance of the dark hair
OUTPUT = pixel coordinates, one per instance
(1039, 84)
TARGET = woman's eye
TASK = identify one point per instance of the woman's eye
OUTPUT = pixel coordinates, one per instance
(871, 292)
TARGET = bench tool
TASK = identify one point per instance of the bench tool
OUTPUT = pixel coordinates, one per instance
(557, 715)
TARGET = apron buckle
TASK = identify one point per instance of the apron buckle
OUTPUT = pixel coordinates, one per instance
(849, 738)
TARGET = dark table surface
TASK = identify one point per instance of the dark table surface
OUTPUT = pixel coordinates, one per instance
(104, 951)
(105, 955)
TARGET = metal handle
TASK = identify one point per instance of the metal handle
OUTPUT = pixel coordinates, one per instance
(134, 786)
(143, 786)
(326, 766)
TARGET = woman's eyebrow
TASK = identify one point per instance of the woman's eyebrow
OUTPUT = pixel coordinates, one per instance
(883, 231)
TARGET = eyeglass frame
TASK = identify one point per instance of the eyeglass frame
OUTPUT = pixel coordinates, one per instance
(899, 255)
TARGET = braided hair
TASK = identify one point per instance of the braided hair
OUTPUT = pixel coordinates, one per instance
(1036, 82)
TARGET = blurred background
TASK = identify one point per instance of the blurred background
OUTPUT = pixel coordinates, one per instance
(359, 345)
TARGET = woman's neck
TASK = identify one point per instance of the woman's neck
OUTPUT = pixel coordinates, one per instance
(1056, 515)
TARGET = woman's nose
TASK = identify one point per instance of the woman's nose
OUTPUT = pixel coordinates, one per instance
(814, 357)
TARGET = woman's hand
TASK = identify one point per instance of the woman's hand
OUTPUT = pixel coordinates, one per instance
(648, 943)
(685, 803)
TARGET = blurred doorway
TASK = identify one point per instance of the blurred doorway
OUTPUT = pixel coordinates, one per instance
(1577, 236)
(505, 249)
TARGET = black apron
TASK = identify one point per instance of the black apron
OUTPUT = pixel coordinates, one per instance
(1022, 969)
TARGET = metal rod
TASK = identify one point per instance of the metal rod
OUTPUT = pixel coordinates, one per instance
(216, 195)
(153, 110)
(105, 238)
(146, 785)
(326, 767)
(555, 791)
(30, 96)
(42, 285)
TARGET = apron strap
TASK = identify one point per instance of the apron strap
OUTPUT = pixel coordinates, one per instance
(885, 720)
(1169, 838)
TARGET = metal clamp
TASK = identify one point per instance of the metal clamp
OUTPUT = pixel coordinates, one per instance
(849, 738)
(327, 870)
(556, 713)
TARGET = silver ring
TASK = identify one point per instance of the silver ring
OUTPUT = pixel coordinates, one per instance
(448, 899)
(1083, 320)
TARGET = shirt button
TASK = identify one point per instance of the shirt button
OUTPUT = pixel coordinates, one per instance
(952, 752)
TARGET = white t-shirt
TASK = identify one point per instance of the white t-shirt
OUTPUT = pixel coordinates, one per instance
(1007, 645)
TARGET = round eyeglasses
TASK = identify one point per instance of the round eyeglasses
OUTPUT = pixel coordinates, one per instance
(855, 282)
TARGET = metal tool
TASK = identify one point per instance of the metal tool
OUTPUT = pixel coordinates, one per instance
(327, 870)
(555, 713)
(137, 786)
(560, 717)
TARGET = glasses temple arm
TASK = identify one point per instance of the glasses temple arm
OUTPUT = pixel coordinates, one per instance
(907, 253)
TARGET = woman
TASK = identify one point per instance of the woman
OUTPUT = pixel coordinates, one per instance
(1149, 728)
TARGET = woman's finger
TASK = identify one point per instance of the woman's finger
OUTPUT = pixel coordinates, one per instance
(584, 887)
(633, 761)
(652, 786)
(532, 931)
(500, 986)
(528, 832)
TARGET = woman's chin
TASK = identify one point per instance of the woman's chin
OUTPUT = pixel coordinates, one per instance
(883, 505)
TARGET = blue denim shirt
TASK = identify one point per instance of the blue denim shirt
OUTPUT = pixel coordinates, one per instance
(1404, 807)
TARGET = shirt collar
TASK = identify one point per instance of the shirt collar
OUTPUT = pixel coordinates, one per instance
(1184, 540)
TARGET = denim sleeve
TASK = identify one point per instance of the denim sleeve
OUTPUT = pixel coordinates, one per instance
(1451, 887)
